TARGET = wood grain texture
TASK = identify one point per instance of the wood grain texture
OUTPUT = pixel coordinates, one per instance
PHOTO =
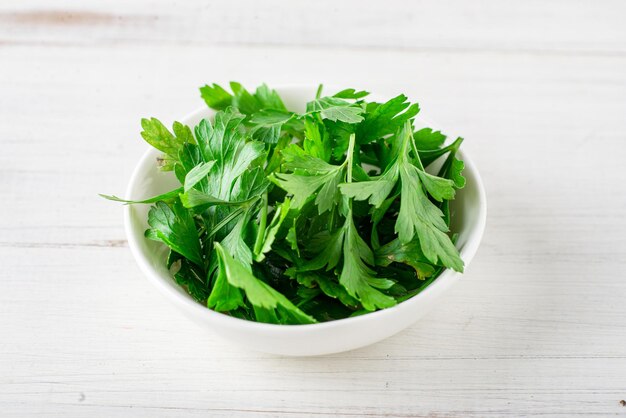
(582, 27)
(537, 327)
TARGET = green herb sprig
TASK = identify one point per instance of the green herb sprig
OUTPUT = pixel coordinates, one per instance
(297, 218)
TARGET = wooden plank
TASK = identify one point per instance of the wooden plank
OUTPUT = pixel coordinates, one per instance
(536, 327)
(120, 348)
(586, 27)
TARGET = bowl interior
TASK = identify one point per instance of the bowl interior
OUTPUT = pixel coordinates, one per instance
(468, 210)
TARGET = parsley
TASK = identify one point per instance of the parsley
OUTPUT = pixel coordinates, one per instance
(294, 218)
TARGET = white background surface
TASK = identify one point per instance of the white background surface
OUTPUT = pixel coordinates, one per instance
(537, 327)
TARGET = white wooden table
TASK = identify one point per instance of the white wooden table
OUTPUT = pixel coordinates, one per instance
(537, 327)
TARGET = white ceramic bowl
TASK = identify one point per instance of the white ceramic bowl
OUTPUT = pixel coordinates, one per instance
(469, 214)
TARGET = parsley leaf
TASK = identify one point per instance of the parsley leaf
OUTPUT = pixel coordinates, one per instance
(225, 143)
(335, 109)
(267, 124)
(351, 94)
(385, 118)
(316, 140)
(224, 297)
(157, 135)
(314, 178)
(191, 278)
(276, 208)
(268, 98)
(408, 253)
(359, 279)
(196, 174)
(260, 294)
(427, 139)
(267, 236)
(417, 215)
(175, 227)
(216, 97)
(166, 197)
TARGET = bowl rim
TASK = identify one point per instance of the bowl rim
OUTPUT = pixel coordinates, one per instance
(444, 280)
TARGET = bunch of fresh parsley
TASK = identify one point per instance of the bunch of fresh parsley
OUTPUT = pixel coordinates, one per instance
(292, 218)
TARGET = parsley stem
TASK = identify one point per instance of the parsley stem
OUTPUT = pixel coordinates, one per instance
(456, 144)
(348, 162)
(349, 159)
(406, 133)
(225, 221)
(445, 168)
(417, 154)
(258, 243)
(318, 93)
